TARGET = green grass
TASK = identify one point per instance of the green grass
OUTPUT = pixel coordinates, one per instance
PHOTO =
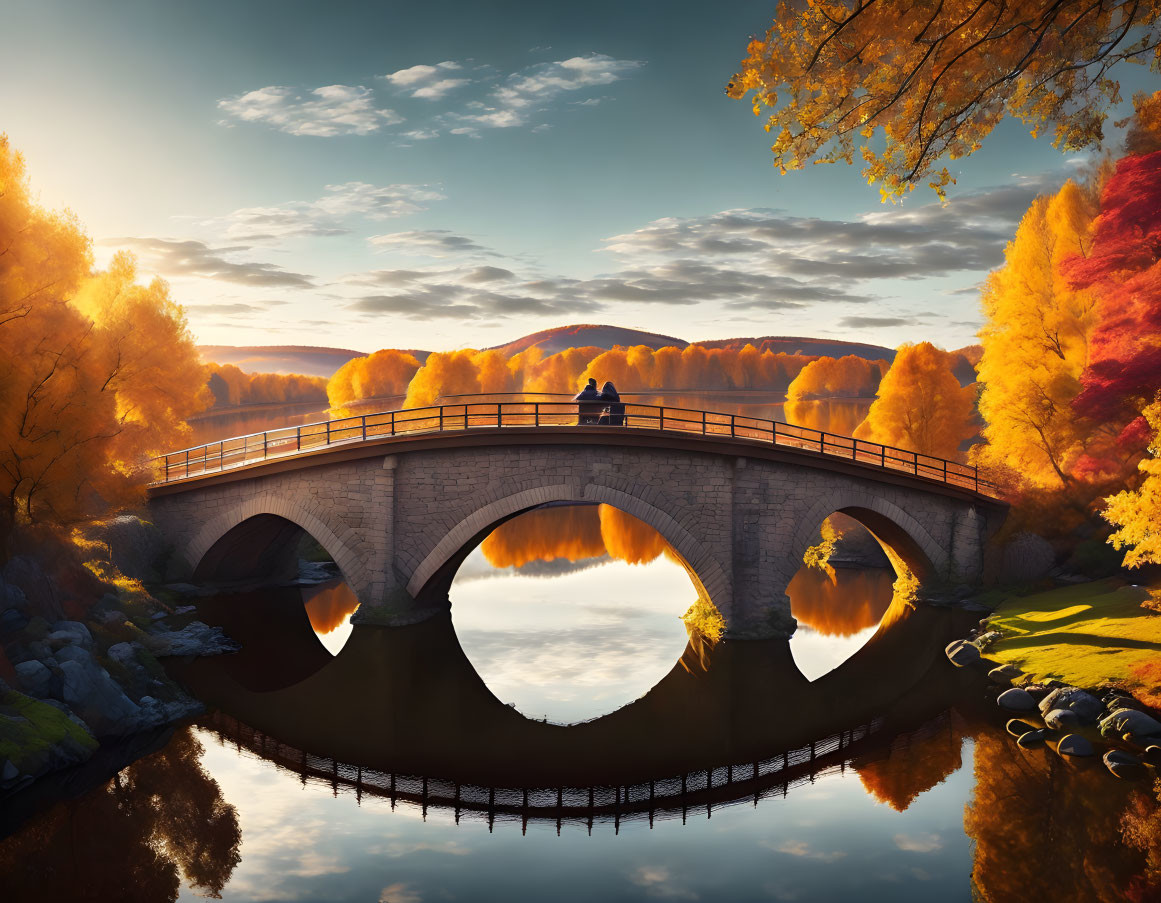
(28, 739)
(1087, 635)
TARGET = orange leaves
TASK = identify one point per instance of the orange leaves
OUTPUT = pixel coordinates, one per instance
(921, 405)
(844, 377)
(383, 373)
(935, 77)
(99, 372)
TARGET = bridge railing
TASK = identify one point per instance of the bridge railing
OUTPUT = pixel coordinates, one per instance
(218, 456)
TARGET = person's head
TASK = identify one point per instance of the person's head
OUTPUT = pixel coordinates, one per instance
(592, 382)
(608, 388)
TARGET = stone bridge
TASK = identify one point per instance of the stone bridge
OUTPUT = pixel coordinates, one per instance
(399, 514)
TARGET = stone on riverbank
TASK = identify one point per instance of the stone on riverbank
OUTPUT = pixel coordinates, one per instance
(1152, 756)
(1032, 739)
(34, 678)
(36, 738)
(1074, 746)
(1125, 765)
(196, 638)
(1082, 703)
(1131, 721)
(1062, 719)
(1018, 728)
(1004, 674)
(962, 653)
(1016, 700)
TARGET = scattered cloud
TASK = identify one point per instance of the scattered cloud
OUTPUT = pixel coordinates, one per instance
(428, 242)
(399, 893)
(657, 882)
(197, 259)
(857, 322)
(526, 94)
(428, 82)
(324, 112)
(226, 310)
(327, 215)
(919, 843)
(802, 850)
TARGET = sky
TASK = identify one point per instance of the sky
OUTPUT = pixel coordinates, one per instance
(458, 174)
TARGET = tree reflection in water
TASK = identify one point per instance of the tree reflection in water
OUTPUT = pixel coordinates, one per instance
(159, 822)
(1045, 829)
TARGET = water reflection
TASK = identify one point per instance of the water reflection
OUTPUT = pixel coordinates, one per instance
(838, 612)
(160, 822)
(570, 611)
(329, 607)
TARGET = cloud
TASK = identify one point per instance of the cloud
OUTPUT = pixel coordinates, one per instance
(194, 258)
(326, 215)
(324, 112)
(919, 843)
(399, 893)
(226, 310)
(802, 850)
(428, 82)
(428, 242)
(857, 322)
(657, 882)
(533, 90)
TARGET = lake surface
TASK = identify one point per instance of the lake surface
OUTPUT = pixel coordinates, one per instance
(563, 734)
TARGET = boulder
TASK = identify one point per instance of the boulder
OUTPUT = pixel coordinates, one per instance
(70, 632)
(1027, 557)
(12, 597)
(34, 678)
(1074, 746)
(72, 654)
(1062, 719)
(1086, 706)
(1124, 765)
(196, 638)
(1004, 674)
(39, 589)
(1131, 721)
(1018, 728)
(1152, 756)
(961, 653)
(1032, 739)
(136, 547)
(90, 692)
(1016, 700)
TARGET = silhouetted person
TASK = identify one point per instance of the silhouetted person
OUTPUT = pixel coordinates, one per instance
(589, 404)
(613, 406)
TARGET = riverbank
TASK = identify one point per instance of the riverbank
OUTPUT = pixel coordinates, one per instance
(1089, 635)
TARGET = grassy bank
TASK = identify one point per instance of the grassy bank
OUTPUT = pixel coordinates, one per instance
(1087, 635)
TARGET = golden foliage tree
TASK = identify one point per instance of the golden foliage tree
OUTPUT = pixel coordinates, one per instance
(384, 373)
(935, 77)
(849, 376)
(920, 405)
(1137, 513)
(1036, 344)
(98, 374)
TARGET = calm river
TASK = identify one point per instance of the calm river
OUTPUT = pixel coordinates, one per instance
(564, 736)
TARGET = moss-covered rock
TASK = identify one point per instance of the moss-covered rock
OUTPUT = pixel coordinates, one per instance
(37, 738)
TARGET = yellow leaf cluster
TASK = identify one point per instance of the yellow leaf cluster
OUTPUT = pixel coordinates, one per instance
(1138, 513)
(1036, 344)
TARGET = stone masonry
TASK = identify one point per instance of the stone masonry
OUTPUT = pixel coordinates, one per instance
(396, 523)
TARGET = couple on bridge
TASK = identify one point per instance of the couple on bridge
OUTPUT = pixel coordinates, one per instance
(602, 407)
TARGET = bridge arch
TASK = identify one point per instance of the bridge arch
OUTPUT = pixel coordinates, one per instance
(440, 563)
(258, 527)
(904, 539)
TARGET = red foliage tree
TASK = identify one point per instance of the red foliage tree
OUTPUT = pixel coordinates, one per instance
(1124, 369)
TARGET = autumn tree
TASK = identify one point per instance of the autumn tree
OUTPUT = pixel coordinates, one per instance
(1124, 270)
(1137, 513)
(920, 405)
(99, 372)
(386, 372)
(935, 77)
(837, 377)
(1036, 339)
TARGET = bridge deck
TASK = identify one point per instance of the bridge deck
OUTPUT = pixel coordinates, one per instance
(216, 457)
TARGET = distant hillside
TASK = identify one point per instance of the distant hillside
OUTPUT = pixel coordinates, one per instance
(305, 359)
(807, 346)
(550, 341)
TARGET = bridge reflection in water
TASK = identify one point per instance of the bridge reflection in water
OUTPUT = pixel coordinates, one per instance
(401, 713)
